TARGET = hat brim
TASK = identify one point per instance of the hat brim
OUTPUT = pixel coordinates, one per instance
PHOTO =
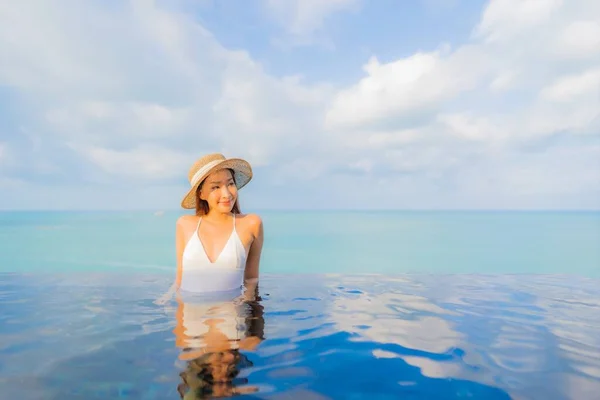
(242, 172)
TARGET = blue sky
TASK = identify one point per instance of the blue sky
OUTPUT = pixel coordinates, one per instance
(436, 104)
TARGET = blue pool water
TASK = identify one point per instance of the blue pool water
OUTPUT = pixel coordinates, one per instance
(99, 335)
(415, 305)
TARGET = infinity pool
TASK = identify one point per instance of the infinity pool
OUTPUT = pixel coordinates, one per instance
(101, 336)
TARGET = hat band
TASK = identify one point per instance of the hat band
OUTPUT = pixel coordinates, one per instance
(203, 171)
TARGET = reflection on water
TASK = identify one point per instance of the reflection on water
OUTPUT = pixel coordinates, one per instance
(212, 336)
(326, 337)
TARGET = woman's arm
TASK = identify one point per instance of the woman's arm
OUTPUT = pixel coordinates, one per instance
(179, 246)
(251, 272)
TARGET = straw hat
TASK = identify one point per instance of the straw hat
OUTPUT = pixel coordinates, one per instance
(209, 164)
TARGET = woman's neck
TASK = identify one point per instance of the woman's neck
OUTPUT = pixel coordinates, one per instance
(215, 216)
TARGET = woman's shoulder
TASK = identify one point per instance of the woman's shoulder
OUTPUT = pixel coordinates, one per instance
(186, 220)
(251, 221)
(250, 218)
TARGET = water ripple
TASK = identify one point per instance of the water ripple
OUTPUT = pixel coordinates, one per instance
(329, 336)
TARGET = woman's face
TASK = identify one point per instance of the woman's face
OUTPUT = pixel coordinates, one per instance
(219, 191)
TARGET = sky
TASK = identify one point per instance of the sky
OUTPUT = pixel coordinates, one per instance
(340, 104)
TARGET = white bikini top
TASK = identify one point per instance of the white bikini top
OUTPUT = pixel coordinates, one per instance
(226, 273)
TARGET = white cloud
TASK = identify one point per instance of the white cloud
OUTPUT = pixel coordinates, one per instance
(533, 48)
(145, 162)
(503, 81)
(553, 173)
(141, 91)
(266, 118)
(302, 18)
(470, 127)
(153, 80)
(579, 39)
(106, 122)
(8, 158)
(462, 106)
(570, 88)
(404, 88)
(503, 20)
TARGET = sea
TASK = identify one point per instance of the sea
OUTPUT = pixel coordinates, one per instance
(350, 305)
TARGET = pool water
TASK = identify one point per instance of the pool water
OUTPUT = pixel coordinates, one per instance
(333, 336)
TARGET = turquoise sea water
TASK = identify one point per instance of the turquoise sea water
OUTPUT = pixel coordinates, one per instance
(308, 242)
(373, 305)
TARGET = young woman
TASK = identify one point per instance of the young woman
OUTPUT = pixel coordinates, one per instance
(218, 248)
(218, 253)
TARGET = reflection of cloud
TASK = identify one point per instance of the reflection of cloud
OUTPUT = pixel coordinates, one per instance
(428, 367)
(572, 315)
(515, 331)
(435, 369)
(407, 320)
(522, 328)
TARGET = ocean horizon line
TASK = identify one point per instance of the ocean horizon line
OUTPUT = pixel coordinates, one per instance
(315, 210)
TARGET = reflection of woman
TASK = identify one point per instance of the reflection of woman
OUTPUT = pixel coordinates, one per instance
(211, 336)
